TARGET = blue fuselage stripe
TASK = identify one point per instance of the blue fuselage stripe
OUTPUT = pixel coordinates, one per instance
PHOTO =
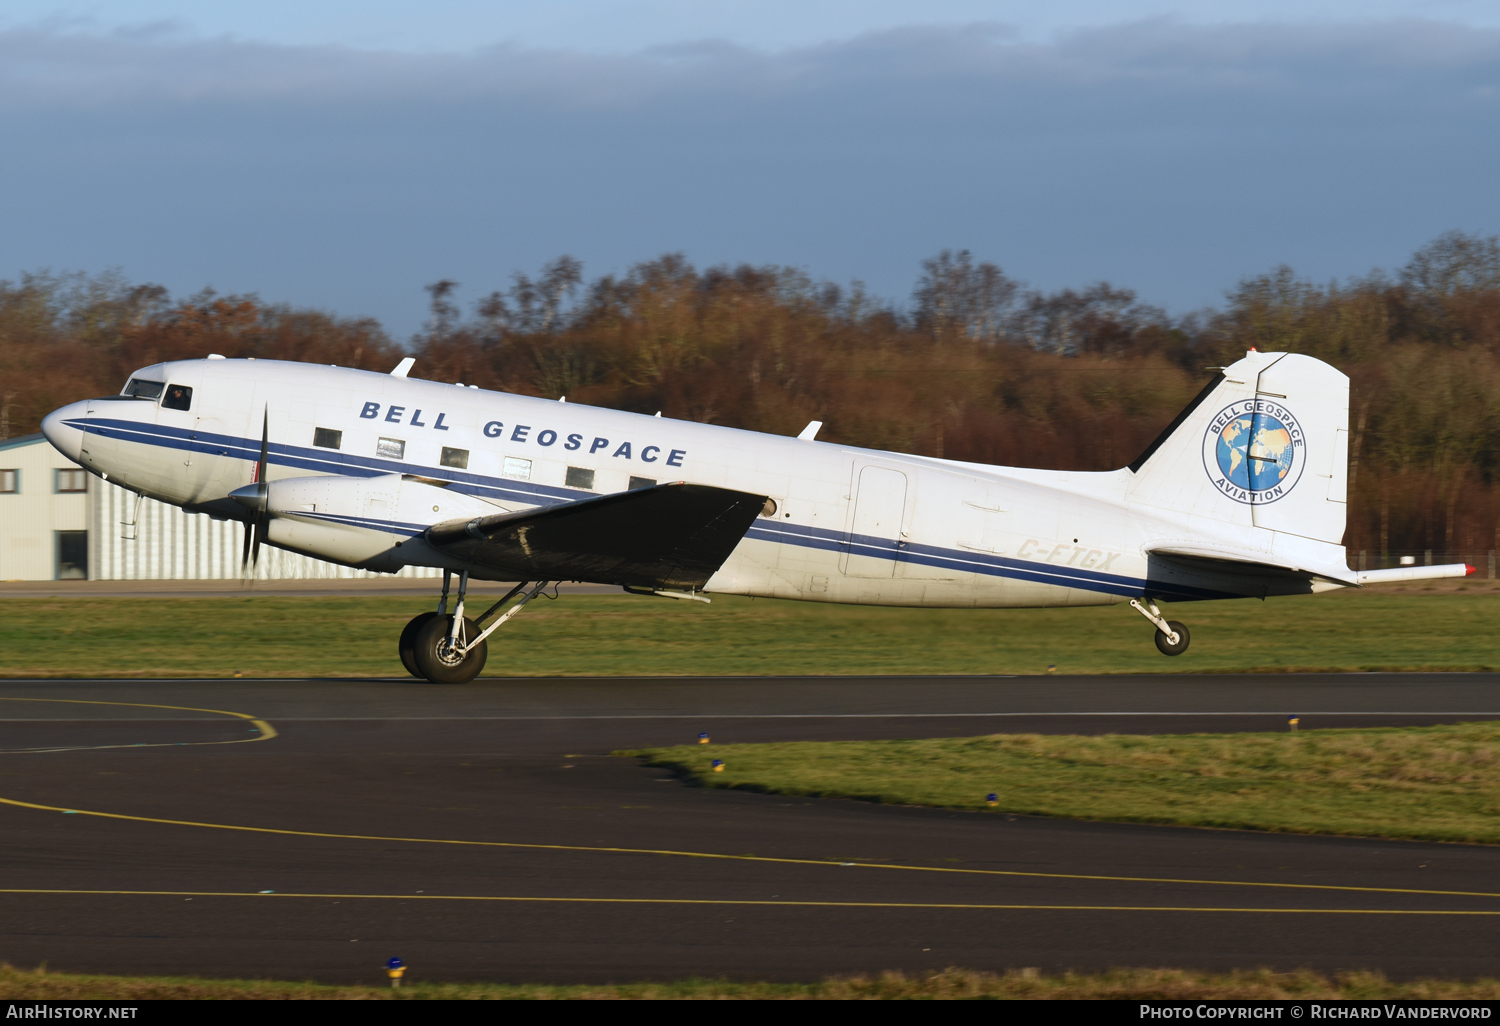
(992, 565)
(332, 462)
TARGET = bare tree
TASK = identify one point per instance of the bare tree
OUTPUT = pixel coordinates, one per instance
(444, 311)
(957, 298)
(539, 303)
(531, 306)
(1451, 287)
(1454, 262)
(1099, 319)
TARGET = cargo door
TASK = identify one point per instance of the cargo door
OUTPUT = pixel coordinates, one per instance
(874, 538)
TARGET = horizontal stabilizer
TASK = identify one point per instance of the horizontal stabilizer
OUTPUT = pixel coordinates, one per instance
(673, 536)
(1235, 561)
(1397, 574)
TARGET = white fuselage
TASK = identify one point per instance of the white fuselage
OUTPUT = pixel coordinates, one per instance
(850, 525)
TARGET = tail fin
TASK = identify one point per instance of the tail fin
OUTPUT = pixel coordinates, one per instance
(1264, 445)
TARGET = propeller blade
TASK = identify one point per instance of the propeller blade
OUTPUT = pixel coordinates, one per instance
(257, 496)
(262, 513)
(265, 452)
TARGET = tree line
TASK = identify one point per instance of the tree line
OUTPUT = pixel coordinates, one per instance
(976, 367)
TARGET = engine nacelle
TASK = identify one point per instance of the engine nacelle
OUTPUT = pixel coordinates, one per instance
(365, 522)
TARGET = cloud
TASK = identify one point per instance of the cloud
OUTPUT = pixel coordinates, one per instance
(1166, 156)
(980, 66)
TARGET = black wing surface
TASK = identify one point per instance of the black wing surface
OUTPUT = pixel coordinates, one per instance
(669, 536)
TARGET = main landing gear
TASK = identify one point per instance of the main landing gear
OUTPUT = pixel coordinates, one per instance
(451, 649)
(1171, 636)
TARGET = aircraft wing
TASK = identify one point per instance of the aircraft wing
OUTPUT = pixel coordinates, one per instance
(670, 536)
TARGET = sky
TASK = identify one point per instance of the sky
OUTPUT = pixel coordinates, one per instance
(343, 155)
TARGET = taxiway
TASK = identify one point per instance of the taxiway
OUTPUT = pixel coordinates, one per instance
(485, 832)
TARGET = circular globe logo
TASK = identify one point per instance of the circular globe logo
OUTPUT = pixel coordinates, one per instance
(1253, 451)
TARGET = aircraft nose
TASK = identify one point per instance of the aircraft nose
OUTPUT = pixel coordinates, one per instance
(58, 427)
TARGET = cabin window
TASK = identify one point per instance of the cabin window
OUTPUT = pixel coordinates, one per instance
(143, 389)
(517, 468)
(642, 482)
(458, 459)
(178, 397)
(10, 482)
(769, 509)
(578, 477)
(391, 448)
(328, 438)
(72, 480)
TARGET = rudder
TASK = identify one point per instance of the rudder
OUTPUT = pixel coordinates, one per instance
(1264, 445)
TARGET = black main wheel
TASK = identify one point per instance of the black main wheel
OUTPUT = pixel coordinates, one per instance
(438, 661)
(1166, 647)
(407, 646)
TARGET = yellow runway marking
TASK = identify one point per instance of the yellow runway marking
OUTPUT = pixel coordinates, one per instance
(752, 902)
(267, 732)
(753, 858)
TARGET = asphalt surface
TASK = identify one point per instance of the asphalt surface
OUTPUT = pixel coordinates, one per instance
(520, 772)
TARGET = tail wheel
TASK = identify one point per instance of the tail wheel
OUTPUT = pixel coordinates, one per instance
(441, 662)
(1166, 647)
(407, 646)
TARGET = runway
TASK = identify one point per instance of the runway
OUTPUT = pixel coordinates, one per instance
(313, 829)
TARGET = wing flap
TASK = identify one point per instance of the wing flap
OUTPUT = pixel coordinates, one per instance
(673, 536)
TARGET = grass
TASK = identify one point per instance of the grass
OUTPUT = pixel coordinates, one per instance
(1118, 984)
(585, 635)
(1422, 783)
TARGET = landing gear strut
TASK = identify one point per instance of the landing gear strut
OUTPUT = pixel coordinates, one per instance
(1171, 636)
(451, 649)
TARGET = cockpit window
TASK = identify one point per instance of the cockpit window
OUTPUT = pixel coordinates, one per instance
(178, 397)
(143, 389)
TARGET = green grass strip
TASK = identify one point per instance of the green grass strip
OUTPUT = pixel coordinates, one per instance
(604, 635)
(1422, 783)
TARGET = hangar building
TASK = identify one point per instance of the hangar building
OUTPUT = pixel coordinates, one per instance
(58, 522)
